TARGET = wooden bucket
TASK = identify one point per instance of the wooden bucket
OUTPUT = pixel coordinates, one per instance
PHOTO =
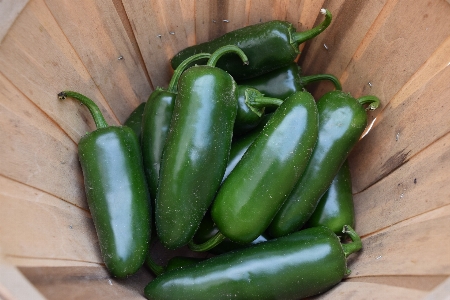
(116, 52)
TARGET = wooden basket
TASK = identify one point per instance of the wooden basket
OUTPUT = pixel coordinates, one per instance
(116, 52)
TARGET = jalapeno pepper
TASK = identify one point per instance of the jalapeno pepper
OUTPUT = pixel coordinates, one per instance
(196, 151)
(256, 188)
(284, 81)
(134, 121)
(335, 208)
(268, 46)
(156, 121)
(173, 263)
(342, 121)
(116, 191)
(296, 266)
(251, 107)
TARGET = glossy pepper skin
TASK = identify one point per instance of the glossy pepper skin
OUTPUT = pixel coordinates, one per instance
(342, 121)
(156, 121)
(196, 151)
(134, 120)
(256, 188)
(283, 82)
(268, 46)
(335, 208)
(116, 192)
(296, 266)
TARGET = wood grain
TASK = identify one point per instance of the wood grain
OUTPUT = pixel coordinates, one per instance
(105, 52)
(415, 117)
(9, 10)
(419, 186)
(39, 61)
(35, 151)
(48, 231)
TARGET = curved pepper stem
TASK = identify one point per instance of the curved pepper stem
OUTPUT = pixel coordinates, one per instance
(97, 115)
(305, 80)
(154, 267)
(373, 101)
(224, 50)
(209, 244)
(355, 245)
(300, 37)
(181, 68)
(256, 101)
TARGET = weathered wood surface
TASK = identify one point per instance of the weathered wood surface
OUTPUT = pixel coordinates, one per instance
(399, 169)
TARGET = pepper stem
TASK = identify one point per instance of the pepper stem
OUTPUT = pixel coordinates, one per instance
(154, 267)
(99, 120)
(373, 101)
(355, 245)
(300, 37)
(209, 244)
(181, 68)
(257, 102)
(224, 50)
(305, 80)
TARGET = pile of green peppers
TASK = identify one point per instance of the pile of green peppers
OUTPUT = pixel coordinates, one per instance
(236, 158)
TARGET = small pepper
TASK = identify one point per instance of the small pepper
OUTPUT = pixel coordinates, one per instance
(342, 121)
(116, 191)
(134, 120)
(302, 264)
(335, 208)
(196, 151)
(268, 46)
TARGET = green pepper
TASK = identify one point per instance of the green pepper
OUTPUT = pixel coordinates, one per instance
(302, 264)
(284, 81)
(173, 263)
(256, 188)
(335, 208)
(342, 121)
(156, 121)
(196, 151)
(134, 121)
(251, 107)
(268, 46)
(116, 191)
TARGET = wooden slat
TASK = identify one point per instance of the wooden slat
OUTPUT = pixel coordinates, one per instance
(14, 286)
(362, 290)
(423, 283)
(86, 283)
(35, 151)
(40, 230)
(105, 51)
(419, 186)
(441, 292)
(417, 249)
(9, 10)
(37, 58)
(350, 23)
(394, 49)
(413, 119)
(156, 37)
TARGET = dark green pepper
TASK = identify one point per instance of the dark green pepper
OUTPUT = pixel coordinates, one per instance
(116, 191)
(302, 264)
(256, 188)
(335, 208)
(268, 46)
(134, 121)
(251, 107)
(196, 151)
(173, 263)
(284, 81)
(156, 121)
(342, 121)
